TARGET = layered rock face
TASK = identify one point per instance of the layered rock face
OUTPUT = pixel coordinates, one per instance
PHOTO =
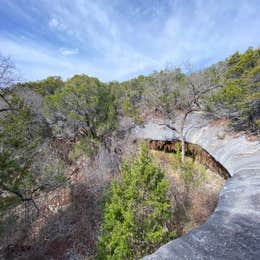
(233, 230)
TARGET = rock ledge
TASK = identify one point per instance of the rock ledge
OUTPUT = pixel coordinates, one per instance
(233, 230)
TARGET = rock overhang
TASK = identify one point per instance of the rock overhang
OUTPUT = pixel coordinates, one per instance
(233, 230)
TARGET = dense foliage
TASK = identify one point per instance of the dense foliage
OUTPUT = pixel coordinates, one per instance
(88, 109)
(239, 98)
(137, 211)
(44, 87)
(18, 142)
(85, 114)
(23, 172)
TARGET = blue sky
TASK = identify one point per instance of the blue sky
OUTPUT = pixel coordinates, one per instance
(120, 39)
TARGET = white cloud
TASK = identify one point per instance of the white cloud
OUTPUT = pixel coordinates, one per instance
(206, 32)
(66, 51)
(96, 28)
(116, 45)
(53, 23)
(37, 62)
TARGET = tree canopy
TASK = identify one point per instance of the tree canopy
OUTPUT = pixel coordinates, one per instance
(239, 98)
(137, 211)
(87, 103)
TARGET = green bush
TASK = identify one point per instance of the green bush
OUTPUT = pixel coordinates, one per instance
(137, 211)
(44, 87)
(239, 97)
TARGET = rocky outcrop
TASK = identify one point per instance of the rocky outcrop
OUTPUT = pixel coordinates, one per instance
(233, 230)
(192, 150)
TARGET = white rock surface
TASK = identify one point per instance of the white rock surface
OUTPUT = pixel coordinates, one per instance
(233, 230)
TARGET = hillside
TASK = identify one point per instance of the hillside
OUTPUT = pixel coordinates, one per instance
(68, 147)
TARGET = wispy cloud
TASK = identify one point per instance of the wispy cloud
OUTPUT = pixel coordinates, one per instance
(54, 23)
(37, 62)
(119, 39)
(66, 51)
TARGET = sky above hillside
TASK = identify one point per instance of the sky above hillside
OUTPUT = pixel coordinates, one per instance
(120, 39)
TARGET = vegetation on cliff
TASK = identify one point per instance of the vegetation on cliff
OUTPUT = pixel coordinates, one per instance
(239, 97)
(50, 127)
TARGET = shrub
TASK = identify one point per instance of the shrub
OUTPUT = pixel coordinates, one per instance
(137, 211)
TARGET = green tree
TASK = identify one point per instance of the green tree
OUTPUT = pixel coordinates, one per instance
(20, 147)
(239, 98)
(44, 87)
(131, 97)
(87, 107)
(137, 212)
(88, 103)
(17, 148)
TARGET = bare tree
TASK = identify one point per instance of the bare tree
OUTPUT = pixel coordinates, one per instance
(192, 94)
(8, 76)
(160, 91)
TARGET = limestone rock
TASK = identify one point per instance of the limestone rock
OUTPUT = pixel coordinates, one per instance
(233, 230)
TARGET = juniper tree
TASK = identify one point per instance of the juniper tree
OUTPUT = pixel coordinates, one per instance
(239, 98)
(137, 211)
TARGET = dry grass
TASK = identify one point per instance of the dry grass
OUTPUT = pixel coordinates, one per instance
(73, 214)
(68, 223)
(194, 200)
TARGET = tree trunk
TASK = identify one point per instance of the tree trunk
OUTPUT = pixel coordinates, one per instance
(182, 136)
(182, 149)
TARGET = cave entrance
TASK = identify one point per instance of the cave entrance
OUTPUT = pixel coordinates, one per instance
(194, 187)
(194, 151)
